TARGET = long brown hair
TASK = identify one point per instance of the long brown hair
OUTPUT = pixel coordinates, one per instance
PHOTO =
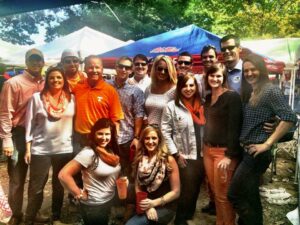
(65, 88)
(111, 146)
(263, 78)
(181, 83)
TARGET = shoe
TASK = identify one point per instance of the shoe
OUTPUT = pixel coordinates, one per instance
(58, 222)
(14, 221)
(210, 208)
(39, 218)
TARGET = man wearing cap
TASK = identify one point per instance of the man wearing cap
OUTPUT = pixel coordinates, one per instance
(140, 78)
(14, 97)
(70, 61)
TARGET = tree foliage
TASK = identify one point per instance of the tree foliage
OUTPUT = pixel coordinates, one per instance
(143, 18)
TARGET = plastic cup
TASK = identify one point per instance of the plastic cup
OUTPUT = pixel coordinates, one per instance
(122, 187)
(141, 195)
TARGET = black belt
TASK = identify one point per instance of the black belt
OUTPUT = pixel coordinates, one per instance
(211, 145)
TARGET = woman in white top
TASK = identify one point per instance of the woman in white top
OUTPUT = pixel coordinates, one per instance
(49, 125)
(100, 167)
(162, 89)
(182, 127)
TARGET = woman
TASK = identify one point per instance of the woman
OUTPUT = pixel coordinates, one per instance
(221, 153)
(49, 125)
(262, 101)
(100, 167)
(182, 127)
(162, 89)
(157, 174)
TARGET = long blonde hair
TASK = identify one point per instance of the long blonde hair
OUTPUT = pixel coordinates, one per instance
(171, 69)
(161, 151)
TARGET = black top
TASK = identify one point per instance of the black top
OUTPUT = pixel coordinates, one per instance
(223, 122)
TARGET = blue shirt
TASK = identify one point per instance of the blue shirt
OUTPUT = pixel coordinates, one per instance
(235, 77)
(133, 101)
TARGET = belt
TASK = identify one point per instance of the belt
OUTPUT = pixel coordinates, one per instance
(211, 145)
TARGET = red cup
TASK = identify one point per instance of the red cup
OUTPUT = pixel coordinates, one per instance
(141, 195)
(122, 187)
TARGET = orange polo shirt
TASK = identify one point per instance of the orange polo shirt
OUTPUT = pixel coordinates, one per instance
(101, 101)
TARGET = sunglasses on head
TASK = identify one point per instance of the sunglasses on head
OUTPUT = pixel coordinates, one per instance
(229, 48)
(140, 64)
(121, 67)
(69, 61)
(160, 69)
(210, 46)
(184, 62)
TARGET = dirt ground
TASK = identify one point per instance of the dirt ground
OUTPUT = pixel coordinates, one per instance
(274, 214)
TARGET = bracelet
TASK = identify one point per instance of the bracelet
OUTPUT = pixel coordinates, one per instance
(162, 201)
(80, 195)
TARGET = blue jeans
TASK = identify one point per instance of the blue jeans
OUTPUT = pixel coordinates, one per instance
(96, 214)
(17, 170)
(243, 192)
(164, 217)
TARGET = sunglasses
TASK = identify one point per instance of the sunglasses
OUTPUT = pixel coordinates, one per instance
(69, 61)
(160, 69)
(229, 48)
(121, 67)
(140, 64)
(187, 63)
(210, 46)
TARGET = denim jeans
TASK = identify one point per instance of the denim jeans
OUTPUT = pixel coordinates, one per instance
(39, 170)
(244, 189)
(191, 178)
(96, 214)
(17, 170)
(164, 217)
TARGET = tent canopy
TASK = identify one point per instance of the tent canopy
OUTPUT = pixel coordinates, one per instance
(283, 49)
(85, 41)
(190, 38)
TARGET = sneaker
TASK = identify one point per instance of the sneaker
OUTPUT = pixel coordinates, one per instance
(210, 208)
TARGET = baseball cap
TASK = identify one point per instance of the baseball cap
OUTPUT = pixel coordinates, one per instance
(69, 53)
(32, 52)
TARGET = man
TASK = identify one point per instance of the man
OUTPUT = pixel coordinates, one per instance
(95, 99)
(184, 63)
(132, 101)
(208, 56)
(15, 95)
(70, 61)
(230, 48)
(140, 68)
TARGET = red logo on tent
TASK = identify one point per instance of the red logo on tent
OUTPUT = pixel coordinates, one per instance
(164, 49)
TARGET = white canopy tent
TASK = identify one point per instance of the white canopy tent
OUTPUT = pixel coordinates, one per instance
(85, 41)
(8, 49)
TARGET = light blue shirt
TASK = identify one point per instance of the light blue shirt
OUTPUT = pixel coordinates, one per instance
(235, 77)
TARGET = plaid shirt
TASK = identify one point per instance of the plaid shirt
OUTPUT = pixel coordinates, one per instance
(272, 103)
(132, 100)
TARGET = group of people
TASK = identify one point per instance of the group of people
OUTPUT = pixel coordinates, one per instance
(167, 132)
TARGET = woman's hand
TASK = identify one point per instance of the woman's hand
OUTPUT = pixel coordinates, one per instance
(224, 163)
(257, 149)
(147, 204)
(152, 214)
(182, 163)
(27, 157)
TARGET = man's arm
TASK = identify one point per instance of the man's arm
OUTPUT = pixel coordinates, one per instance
(7, 108)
